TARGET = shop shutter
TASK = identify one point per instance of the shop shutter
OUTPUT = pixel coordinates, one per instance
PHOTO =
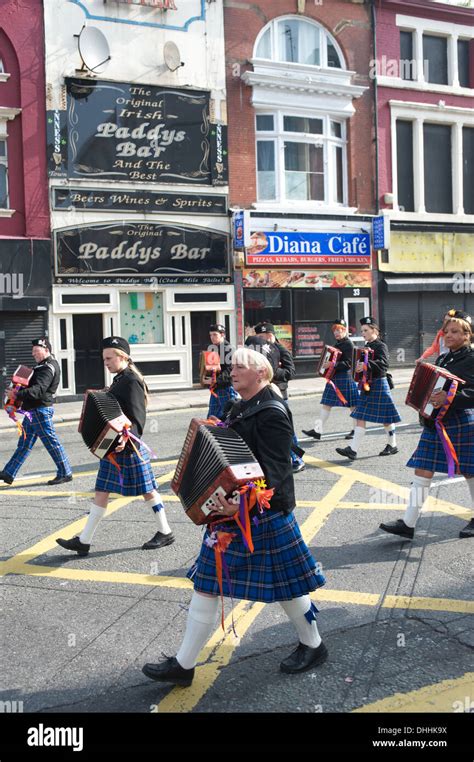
(20, 329)
(434, 306)
(401, 327)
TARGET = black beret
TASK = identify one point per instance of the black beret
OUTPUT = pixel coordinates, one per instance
(461, 315)
(116, 342)
(217, 327)
(368, 320)
(340, 321)
(264, 328)
(42, 342)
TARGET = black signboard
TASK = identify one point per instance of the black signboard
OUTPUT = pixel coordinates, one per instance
(310, 338)
(123, 131)
(141, 252)
(117, 200)
(56, 139)
(220, 175)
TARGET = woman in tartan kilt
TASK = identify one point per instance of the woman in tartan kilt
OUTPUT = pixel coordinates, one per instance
(430, 456)
(132, 473)
(342, 379)
(375, 405)
(280, 568)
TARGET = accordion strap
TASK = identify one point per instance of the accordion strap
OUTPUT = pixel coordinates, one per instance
(270, 404)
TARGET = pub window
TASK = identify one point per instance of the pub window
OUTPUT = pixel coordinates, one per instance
(141, 317)
(406, 56)
(437, 170)
(4, 202)
(435, 59)
(406, 200)
(298, 41)
(85, 299)
(463, 63)
(468, 168)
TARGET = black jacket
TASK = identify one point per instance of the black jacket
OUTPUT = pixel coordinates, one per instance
(345, 346)
(42, 386)
(460, 363)
(286, 369)
(224, 351)
(380, 360)
(269, 435)
(130, 394)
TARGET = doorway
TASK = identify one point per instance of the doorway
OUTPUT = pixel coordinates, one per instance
(200, 322)
(88, 365)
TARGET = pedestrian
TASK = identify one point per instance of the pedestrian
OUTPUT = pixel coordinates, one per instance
(37, 401)
(438, 347)
(342, 380)
(376, 403)
(135, 476)
(430, 455)
(281, 567)
(223, 390)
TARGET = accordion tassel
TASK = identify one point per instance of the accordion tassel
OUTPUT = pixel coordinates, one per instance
(338, 392)
(111, 457)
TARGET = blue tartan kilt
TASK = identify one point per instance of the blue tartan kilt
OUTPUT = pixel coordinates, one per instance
(280, 568)
(217, 404)
(377, 406)
(137, 475)
(346, 385)
(430, 453)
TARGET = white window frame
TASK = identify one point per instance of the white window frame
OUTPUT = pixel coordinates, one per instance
(4, 163)
(365, 300)
(6, 114)
(324, 36)
(4, 75)
(418, 114)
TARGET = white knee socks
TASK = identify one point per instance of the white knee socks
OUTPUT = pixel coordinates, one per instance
(95, 516)
(156, 504)
(320, 422)
(301, 611)
(419, 492)
(202, 619)
(391, 436)
(359, 432)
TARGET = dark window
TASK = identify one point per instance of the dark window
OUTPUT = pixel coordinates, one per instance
(64, 374)
(333, 57)
(85, 299)
(316, 305)
(339, 176)
(435, 59)
(173, 330)
(463, 63)
(216, 297)
(160, 368)
(265, 122)
(271, 304)
(405, 165)
(438, 172)
(63, 331)
(406, 56)
(468, 168)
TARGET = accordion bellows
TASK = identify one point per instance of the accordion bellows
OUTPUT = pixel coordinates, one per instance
(102, 422)
(214, 460)
(428, 379)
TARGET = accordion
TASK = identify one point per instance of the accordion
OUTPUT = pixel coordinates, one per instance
(214, 460)
(361, 354)
(102, 422)
(209, 365)
(428, 379)
(330, 355)
(20, 380)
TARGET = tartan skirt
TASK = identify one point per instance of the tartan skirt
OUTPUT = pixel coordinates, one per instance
(430, 453)
(377, 406)
(217, 404)
(280, 568)
(346, 384)
(136, 475)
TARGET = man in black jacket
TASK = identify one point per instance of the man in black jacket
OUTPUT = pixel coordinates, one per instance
(223, 391)
(37, 401)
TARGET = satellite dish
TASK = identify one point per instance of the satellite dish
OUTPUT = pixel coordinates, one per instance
(93, 49)
(172, 56)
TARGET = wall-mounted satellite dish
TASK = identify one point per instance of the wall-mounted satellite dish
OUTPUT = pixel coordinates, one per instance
(93, 49)
(172, 56)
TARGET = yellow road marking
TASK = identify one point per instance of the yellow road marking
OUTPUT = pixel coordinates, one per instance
(437, 506)
(446, 696)
(93, 575)
(428, 604)
(32, 480)
(346, 596)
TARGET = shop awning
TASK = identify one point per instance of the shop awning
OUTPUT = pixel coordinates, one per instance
(419, 284)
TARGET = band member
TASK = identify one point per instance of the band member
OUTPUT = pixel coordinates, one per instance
(430, 456)
(438, 347)
(37, 399)
(376, 404)
(281, 568)
(283, 373)
(135, 476)
(223, 390)
(342, 379)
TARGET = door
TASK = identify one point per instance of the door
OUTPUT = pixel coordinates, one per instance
(355, 308)
(88, 366)
(200, 322)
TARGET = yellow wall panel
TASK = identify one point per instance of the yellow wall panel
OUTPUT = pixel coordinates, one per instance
(429, 253)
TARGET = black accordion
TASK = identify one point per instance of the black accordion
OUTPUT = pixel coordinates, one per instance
(214, 460)
(102, 422)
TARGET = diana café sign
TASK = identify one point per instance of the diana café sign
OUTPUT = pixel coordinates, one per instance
(313, 249)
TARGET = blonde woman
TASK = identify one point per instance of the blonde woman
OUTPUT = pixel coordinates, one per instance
(135, 476)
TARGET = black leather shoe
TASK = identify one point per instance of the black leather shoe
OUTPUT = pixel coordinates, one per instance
(350, 435)
(347, 451)
(4, 477)
(159, 540)
(389, 450)
(297, 467)
(468, 530)
(169, 671)
(312, 433)
(60, 479)
(304, 658)
(399, 527)
(74, 544)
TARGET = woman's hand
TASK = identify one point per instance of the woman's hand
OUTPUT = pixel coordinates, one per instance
(121, 445)
(227, 507)
(438, 398)
(360, 367)
(214, 419)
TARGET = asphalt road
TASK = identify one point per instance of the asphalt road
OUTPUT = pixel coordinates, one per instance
(394, 615)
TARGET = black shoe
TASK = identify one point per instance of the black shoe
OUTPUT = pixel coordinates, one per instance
(399, 527)
(169, 671)
(304, 658)
(297, 467)
(347, 451)
(159, 540)
(312, 433)
(74, 544)
(350, 435)
(60, 479)
(468, 530)
(4, 477)
(389, 450)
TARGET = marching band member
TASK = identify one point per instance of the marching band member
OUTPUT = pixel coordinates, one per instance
(376, 404)
(223, 390)
(281, 568)
(37, 399)
(438, 347)
(342, 380)
(430, 456)
(135, 476)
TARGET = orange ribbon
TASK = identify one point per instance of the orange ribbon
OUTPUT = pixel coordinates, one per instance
(338, 391)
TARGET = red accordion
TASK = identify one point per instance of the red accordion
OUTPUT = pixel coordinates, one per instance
(214, 460)
(20, 380)
(329, 355)
(428, 379)
(362, 354)
(209, 365)
(102, 422)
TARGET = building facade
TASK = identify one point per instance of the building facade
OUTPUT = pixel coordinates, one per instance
(137, 164)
